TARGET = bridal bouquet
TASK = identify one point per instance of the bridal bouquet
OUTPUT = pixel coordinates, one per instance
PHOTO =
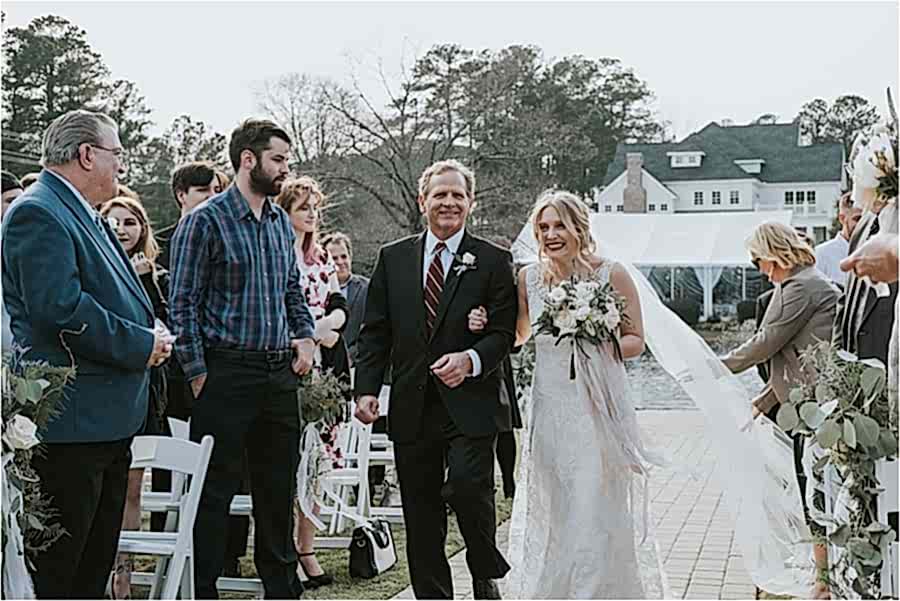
(873, 164)
(585, 311)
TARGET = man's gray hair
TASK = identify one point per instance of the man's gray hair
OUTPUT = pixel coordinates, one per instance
(69, 131)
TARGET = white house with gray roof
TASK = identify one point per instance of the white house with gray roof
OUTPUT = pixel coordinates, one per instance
(758, 167)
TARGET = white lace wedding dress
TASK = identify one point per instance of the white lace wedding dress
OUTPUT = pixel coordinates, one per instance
(580, 527)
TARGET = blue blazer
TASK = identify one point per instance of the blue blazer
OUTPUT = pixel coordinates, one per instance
(67, 289)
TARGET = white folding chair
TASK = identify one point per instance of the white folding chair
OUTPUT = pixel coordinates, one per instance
(180, 428)
(354, 440)
(886, 472)
(175, 568)
(382, 453)
(163, 501)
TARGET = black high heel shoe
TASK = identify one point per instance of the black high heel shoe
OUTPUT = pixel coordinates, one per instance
(313, 582)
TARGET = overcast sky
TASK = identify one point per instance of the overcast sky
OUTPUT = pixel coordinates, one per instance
(704, 60)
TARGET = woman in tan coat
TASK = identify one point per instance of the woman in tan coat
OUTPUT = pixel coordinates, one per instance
(801, 313)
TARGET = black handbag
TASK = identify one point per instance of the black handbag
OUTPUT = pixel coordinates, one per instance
(372, 549)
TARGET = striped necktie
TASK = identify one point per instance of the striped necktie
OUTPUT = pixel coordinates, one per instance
(857, 297)
(434, 286)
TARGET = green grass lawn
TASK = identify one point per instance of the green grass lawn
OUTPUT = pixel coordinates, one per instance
(336, 562)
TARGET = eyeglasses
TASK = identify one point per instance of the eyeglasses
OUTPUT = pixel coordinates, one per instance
(119, 153)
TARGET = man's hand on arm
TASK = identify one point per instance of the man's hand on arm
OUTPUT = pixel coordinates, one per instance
(304, 349)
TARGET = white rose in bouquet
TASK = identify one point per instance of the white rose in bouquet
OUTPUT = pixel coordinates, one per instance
(612, 318)
(21, 433)
(558, 295)
(582, 313)
(881, 143)
(565, 321)
(584, 291)
(864, 170)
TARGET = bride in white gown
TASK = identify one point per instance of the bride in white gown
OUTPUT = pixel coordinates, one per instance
(580, 527)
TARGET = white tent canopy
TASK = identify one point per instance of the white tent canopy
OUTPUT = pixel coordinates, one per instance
(706, 242)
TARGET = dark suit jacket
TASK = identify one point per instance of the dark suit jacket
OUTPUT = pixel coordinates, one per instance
(393, 333)
(357, 289)
(62, 280)
(872, 337)
(164, 240)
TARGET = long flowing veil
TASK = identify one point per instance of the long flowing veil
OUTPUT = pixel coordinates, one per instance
(755, 466)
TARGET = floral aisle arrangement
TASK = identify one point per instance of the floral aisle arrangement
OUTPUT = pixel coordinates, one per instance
(323, 398)
(585, 311)
(846, 412)
(31, 393)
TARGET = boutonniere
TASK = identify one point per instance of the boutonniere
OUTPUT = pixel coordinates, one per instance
(464, 263)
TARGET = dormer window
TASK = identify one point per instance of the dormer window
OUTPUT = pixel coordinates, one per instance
(685, 158)
(750, 165)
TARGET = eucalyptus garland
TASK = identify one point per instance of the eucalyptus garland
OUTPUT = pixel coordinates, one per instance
(32, 393)
(845, 410)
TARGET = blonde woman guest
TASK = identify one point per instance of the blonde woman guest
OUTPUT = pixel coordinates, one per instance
(129, 220)
(801, 313)
(302, 199)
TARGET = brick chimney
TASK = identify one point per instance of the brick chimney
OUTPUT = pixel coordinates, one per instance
(634, 197)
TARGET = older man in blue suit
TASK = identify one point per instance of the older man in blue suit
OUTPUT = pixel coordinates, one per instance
(72, 295)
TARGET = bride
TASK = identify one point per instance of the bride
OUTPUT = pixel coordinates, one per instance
(580, 525)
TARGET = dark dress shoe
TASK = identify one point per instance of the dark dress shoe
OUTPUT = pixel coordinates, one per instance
(232, 569)
(509, 490)
(485, 588)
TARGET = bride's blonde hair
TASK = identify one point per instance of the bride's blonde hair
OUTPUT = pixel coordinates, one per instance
(575, 217)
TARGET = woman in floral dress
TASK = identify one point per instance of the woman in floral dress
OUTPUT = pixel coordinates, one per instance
(302, 198)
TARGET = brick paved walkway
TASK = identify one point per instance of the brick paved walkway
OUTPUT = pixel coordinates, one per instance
(693, 527)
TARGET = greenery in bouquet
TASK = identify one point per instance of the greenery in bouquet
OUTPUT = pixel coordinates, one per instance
(845, 409)
(324, 401)
(323, 397)
(32, 393)
(585, 311)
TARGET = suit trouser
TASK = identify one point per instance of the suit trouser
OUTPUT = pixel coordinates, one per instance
(87, 484)
(506, 459)
(249, 404)
(468, 489)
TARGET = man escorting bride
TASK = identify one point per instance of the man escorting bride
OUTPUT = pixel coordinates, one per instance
(580, 527)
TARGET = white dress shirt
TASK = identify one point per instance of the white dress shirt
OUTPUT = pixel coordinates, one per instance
(829, 256)
(447, 255)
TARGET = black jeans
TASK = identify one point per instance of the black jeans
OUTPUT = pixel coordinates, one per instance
(87, 483)
(249, 404)
(468, 489)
